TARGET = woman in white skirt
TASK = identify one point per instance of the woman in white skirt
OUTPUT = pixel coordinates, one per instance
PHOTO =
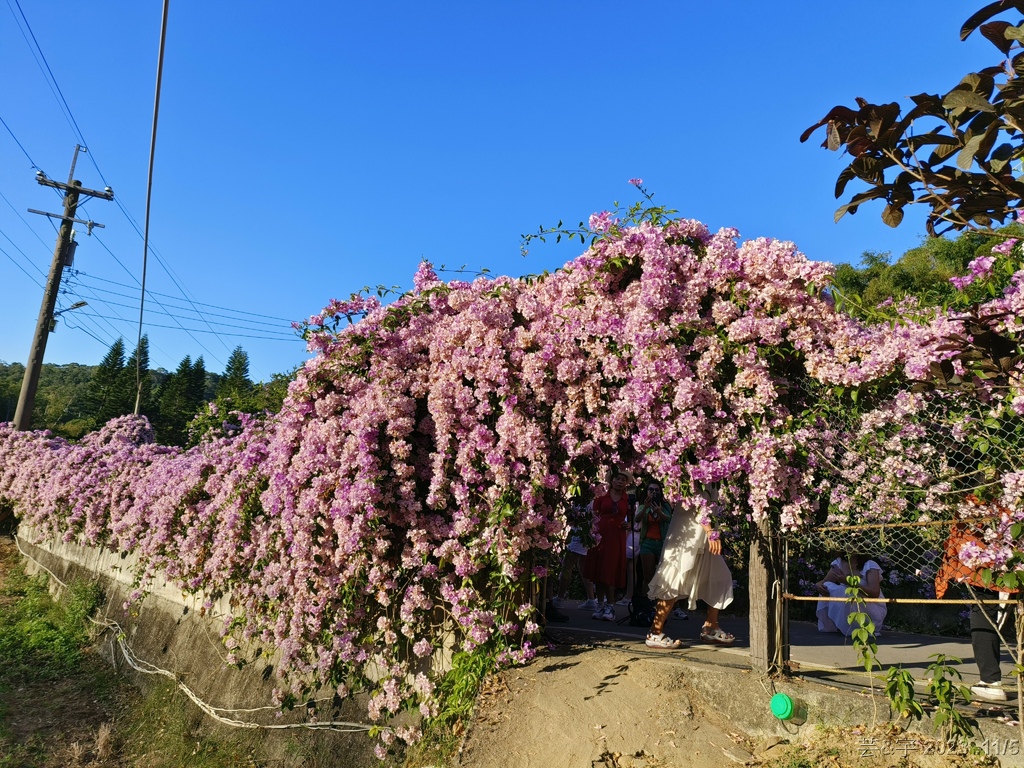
(691, 567)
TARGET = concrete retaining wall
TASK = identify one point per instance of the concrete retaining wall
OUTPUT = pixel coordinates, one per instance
(171, 631)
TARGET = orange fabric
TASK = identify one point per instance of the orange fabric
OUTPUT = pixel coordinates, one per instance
(952, 569)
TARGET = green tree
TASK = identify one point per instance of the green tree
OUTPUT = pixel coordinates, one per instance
(11, 375)
(101, 398)
(235, 382)
(953, 153)
(179, 399)
(135, 381)
(923, 272)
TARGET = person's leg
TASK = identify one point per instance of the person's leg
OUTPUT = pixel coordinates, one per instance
(647, 564)
(712, 620)
(661, 616)
(985, 642)
(565, 576)
(588, 585)
(630, 579)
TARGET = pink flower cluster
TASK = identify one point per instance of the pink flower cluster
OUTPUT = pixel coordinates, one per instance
(418, 472)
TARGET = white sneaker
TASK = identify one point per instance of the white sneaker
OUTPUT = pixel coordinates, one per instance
(989, 691)
(588, 605)
(599, 613)
(608, 614)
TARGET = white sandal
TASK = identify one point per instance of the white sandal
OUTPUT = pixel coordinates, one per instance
(716, 636)
(662, 642)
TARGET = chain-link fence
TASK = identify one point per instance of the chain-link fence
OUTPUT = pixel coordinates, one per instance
(904, 476)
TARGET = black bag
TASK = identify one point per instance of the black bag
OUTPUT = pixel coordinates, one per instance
(641, 611)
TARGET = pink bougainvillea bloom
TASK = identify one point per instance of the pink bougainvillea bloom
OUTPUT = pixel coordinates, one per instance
(602, 222)
(636, 182)
(1005, 247)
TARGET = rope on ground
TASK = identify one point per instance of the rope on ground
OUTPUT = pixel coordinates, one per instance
(146, 668)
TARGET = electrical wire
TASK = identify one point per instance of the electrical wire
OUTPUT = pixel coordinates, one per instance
(24, 151)
(18, 249)
(195, 330)
(44, 67)
(283, 334)
(149, 191)
(23, 220)
(197, 303)
(51, 81)
(254, 323)
(15, 263)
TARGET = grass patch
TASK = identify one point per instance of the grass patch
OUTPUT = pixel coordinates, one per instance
(457, 693)
(166, 730)
(41, 639)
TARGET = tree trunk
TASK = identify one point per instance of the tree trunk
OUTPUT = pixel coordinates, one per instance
(769, 619)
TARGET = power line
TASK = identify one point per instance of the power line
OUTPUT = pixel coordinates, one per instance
(220, 325)
(15, 263)
(23, 221)
(15, 245)
(54, 87)
(194, 330)
(24, 151)
(197, 303)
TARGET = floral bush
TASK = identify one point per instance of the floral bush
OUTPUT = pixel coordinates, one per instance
(422, 467)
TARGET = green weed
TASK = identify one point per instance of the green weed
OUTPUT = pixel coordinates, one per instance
(42, 639)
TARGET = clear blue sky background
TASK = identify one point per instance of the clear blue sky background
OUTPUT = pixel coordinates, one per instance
(311, 148)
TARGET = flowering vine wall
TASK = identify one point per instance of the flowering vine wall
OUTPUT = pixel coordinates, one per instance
(420, 469)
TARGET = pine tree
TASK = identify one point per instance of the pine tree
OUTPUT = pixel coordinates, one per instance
(136, 370)
(173, 410)
(101, 402)
(235, 383)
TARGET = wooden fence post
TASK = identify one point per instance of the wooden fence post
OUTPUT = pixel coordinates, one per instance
(769, 617)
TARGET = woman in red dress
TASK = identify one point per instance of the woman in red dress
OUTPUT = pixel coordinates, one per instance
(606, 562)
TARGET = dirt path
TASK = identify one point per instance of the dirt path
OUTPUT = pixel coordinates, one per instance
(584, 706)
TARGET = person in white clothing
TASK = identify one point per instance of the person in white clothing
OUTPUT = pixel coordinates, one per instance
(834, 616)
(691, 567)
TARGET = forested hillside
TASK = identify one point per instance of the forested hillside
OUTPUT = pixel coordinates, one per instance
(75, 399)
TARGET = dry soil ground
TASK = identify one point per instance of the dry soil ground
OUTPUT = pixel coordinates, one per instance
(581, 706)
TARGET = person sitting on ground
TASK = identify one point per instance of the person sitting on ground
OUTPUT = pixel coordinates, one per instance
(606, 562)
(691, 567)
(834, 615)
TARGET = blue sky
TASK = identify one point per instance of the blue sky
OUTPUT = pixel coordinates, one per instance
(306, 150)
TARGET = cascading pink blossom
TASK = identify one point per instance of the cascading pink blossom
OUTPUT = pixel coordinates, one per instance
(419, 470)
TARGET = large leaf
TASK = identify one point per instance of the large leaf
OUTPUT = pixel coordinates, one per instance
(962, 98)
(966, 157)
(845, 177)
(986, 13)
(995, 33)
(838, 113)
(1000, 157)
(892, 215)
(932, 137)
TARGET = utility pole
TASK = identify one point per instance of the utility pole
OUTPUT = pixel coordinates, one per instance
(72, 191)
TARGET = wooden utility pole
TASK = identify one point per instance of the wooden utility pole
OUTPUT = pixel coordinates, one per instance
(72, 191)
(769, 619)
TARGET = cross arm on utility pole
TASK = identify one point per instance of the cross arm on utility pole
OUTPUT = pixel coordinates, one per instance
(42, 178)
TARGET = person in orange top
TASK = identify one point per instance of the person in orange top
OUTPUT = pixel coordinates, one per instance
(654, 515)
(987, 621)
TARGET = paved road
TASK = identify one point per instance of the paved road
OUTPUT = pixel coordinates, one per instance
(824, 657)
